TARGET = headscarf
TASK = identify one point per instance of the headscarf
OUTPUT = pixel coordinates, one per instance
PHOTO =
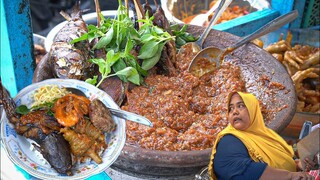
(262, 143)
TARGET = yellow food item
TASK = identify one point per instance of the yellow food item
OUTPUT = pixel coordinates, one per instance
(48, 93)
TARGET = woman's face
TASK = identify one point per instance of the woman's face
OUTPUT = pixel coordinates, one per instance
(238, 115)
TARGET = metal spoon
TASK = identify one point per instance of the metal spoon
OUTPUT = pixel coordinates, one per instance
(119, 112)
(197, 46)
(210, 58)
(200, 19)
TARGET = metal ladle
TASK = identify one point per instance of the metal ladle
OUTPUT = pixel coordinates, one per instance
(210, 58)
(197, 46)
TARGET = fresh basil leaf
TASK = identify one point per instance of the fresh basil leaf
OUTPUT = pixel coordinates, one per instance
(158, 30)
(22, 109)
(96, 61)
(119, 65)
(174, 27)
(131, 74)
(190, 38)
(184, 28)
(135, 78)
(180, 42)
(126, 71)
(149, 63)
(141, 71)
(106, 69)
(134, 34)
(148, 50)
(92, 81)
(114, 58)
(92, 36)
(146, 38)
(130, 60)
(129, 47)
(81, 38)
(92, 28)
(110, 54)
(101, 64)
(105, 40)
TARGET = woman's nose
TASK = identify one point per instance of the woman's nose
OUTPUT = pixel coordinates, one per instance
(235, 111)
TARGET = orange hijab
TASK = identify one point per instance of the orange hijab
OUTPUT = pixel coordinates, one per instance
(263, 144)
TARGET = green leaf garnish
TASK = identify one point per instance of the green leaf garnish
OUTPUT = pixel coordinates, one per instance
(118, 37)
(22, 109)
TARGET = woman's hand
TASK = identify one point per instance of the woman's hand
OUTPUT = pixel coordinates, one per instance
(281, 174)
(308, 164)
(301, 176)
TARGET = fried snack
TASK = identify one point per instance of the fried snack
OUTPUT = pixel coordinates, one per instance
(299, 76)
(81, 145)
(291, 58)
(302, 64)
(279, 47)
(290, 69)
(258, 42)
(278, 56)
(85, 126)
(313, 60)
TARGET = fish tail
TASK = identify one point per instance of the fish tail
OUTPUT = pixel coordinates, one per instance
(76, 11)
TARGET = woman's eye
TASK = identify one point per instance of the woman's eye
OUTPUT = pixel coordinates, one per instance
(242, 105)
(230, 109)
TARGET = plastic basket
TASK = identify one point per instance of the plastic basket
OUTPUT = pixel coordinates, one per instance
(311, 14)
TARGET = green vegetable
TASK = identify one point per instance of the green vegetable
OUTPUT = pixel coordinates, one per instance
(23, 109)
(182, 36)
(104, 40)
(118, 37)
(148, 50)
(150, 62)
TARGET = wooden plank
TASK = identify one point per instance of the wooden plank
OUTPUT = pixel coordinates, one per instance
(245, 25)
(16, 45)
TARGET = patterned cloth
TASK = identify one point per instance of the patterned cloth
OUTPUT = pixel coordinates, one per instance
(315, 173)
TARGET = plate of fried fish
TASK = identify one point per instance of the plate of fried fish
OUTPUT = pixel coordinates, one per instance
(53, 133)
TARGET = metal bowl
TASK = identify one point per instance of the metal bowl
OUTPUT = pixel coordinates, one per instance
(177, 10)
(38, 39)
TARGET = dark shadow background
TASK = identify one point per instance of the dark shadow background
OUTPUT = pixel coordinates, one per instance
(45, 14)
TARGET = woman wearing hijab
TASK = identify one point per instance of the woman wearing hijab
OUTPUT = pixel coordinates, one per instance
(247, 149)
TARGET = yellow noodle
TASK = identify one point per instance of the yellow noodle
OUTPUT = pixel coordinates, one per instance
(48, 93)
